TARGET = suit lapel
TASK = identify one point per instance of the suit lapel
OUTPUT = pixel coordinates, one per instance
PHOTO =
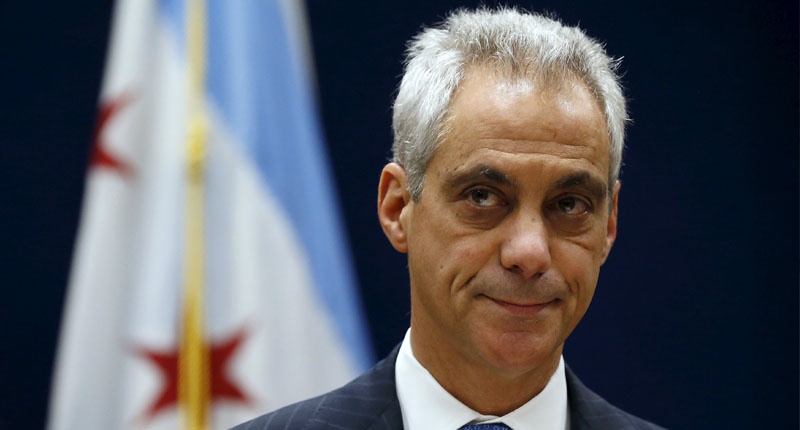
(390, 419)
(587, 410)
(582, 403)
(369, 402)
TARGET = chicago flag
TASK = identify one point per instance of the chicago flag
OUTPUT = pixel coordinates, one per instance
(211, 280)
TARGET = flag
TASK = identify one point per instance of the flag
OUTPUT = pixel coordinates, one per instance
(211, 280)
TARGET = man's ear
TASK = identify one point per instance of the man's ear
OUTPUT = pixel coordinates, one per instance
(611, 227)
(393, 199)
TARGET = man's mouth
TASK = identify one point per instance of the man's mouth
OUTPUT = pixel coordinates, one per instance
(521, 308)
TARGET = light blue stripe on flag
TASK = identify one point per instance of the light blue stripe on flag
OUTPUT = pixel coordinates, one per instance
(264, 95)
(174, 11)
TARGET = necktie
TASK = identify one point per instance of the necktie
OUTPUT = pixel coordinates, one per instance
(493, 426)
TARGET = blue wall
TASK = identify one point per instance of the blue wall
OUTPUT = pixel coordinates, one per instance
(695, 322)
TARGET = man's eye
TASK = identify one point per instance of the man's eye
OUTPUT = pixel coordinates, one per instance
(483, 197)
(572, 206)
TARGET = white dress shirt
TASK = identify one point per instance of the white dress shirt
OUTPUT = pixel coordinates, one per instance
(426, 405)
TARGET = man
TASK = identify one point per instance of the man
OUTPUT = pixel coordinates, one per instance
(503, 192)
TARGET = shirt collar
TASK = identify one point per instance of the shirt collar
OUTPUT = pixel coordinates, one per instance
(426, 405)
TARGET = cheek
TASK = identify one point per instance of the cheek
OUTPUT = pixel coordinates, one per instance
(466, 254)
(452, 262)
(445, 263)
(580, 268)
(580, 272)
(429, 254)
(582, 255)
(447, 252)
(440, 240)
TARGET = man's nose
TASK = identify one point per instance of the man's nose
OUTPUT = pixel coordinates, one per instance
(526, 249)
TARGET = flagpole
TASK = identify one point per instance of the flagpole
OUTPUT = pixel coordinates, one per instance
(194, 362)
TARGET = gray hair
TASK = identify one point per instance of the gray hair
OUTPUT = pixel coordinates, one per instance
(524, 44)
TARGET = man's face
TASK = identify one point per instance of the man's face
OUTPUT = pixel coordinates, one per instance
(507, 239)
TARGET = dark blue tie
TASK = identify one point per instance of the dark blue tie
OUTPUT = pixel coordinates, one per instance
(494, 426)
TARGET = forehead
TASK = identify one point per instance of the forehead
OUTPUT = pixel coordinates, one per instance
(492, 114)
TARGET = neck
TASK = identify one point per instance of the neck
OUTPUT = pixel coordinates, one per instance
(484, 388)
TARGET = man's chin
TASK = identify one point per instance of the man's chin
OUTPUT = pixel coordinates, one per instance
(516, 353)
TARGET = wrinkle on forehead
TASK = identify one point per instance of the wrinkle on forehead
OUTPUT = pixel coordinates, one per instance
(559, 87)
(526, 146)
(492, 90)
(515, 116)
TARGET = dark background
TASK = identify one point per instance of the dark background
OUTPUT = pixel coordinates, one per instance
(695, 321)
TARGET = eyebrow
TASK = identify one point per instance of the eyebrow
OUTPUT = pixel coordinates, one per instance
(597, 187)
(481, 172)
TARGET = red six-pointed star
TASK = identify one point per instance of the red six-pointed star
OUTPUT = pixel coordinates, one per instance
(101, 157)
(221, 387)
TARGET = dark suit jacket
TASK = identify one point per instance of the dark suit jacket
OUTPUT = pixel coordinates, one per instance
(370, 402)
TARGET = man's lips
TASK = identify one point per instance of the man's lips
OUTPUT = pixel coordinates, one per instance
(522, 308)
